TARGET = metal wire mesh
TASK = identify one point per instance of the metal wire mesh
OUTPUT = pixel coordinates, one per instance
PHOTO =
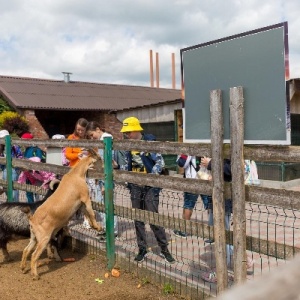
(272, 240)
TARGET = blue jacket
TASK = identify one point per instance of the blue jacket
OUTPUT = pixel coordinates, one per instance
(153, 162)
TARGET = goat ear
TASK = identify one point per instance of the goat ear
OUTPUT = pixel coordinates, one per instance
(52, 183)
(93, 153)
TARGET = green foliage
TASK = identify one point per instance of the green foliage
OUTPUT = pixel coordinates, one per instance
(145, 280)
(168, 289)
(4, 106)
(14, 123)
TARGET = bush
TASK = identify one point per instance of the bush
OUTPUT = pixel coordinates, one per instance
(14, 123)
(6, 115)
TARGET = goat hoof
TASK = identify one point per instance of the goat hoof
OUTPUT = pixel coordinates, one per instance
(35, 276)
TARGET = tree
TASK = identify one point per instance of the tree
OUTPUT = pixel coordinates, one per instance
(4, 106)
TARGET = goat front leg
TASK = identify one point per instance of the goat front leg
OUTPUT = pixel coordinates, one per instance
(91, 215)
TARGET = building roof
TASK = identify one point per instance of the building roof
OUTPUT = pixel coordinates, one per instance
(34, 93)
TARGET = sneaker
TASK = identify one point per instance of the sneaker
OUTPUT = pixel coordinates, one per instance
(141, 255)
(167, 256)
(86, 225)
(209, 241)
(102, 236)
(180, 234)
(102, 232)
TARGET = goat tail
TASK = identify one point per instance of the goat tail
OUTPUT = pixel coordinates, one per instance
(26, 210)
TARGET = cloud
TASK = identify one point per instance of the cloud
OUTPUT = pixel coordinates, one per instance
(111, 42)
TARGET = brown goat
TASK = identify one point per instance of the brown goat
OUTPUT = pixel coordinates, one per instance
(55, 213)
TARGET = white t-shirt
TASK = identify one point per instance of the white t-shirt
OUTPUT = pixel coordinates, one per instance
(101, 151)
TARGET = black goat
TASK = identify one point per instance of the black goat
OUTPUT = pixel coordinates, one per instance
(14, 222)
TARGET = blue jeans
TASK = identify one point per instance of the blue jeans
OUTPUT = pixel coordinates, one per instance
(15, 176)
(100, 198)
(189, 200)
(229, 248)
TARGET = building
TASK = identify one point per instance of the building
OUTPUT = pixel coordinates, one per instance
(54, 106)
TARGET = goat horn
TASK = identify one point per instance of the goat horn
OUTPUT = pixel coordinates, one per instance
(52, 182)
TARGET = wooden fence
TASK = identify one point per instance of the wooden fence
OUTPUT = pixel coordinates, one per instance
(236, 190)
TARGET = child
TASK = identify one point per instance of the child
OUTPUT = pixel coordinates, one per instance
(96, 132)
(32, 151)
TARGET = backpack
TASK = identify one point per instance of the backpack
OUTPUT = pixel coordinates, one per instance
(34, 151)
(182, 159)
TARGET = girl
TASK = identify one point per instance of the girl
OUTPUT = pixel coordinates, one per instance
(73, 155)
(95, 132)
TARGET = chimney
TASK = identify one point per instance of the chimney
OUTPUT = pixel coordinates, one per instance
(66, 76)
(173, 71)
(151, 69)
(157, 70)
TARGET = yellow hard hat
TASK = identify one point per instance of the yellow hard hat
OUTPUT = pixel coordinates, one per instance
(131, 124)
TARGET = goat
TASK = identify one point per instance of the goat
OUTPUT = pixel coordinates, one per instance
(55, 213)
(14, 223)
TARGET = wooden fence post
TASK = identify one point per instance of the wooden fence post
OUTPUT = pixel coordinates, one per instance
(217, 133)
(238, 186)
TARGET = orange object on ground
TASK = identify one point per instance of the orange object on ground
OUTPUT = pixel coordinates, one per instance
(69, 259)
(115, 273)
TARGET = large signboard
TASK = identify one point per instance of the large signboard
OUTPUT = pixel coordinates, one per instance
(256, 60)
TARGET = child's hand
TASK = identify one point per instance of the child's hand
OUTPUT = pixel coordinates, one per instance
(205, 161)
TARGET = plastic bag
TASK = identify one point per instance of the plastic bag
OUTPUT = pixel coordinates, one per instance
(204, 174)
(251, 175)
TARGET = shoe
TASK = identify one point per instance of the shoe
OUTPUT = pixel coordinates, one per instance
(141, 255)
(250, 263)
(209, 241)
(86, 225)
(209, 276)
(102, 232)
(102, 237)
(167, 256)
(180, 234)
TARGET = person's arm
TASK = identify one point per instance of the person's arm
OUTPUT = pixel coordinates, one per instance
(72, 154)
(159, 163)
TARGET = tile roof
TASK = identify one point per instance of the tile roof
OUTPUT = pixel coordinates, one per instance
(33, 93)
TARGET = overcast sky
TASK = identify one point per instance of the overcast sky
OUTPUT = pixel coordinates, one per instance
(109, 41)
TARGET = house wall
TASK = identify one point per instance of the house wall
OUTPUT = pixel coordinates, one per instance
(35, 127)
(154, 114)
(109, 122)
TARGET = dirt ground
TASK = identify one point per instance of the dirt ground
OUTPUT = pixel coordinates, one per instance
(78, 280)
